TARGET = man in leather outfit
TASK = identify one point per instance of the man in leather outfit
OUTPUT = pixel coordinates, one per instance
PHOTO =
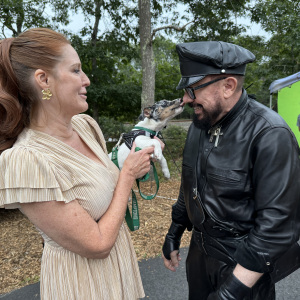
(240, 187)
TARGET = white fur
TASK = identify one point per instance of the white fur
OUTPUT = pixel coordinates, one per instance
(142, 141)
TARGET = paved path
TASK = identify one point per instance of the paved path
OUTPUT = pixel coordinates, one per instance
(162, 284)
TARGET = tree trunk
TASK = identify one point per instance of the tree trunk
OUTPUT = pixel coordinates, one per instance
(148, 63)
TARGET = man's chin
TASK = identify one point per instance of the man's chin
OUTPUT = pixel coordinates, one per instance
(201, 124)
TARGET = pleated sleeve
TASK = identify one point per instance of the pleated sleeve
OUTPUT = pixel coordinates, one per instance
(26, 176)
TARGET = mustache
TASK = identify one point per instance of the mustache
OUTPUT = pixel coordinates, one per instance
(193, 105)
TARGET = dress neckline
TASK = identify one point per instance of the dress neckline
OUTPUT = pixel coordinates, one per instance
(92, 145)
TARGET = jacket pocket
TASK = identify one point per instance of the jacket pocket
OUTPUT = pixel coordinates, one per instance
(226, 176)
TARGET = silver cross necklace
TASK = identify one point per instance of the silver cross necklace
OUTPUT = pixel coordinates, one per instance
(215, 132)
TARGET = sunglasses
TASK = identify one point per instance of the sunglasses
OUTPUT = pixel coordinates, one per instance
(190, 90)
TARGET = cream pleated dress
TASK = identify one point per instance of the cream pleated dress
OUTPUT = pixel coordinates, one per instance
(40, 167)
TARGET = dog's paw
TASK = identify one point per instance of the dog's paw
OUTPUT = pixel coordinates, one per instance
(157, 153)
(166, 173)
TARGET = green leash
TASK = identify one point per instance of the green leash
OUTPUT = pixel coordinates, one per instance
(133, 221)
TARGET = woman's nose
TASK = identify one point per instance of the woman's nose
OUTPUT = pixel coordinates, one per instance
(85, 80)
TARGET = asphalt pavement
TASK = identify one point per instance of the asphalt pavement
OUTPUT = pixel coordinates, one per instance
(162, 284)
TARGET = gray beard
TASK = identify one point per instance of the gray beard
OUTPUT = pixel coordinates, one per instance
(208, 119)
(201, 124)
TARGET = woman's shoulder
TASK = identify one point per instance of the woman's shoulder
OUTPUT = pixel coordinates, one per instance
(24, 158)
(85, 124)
(23, 147)
(28, 175)
(88, 126)
(85, 120)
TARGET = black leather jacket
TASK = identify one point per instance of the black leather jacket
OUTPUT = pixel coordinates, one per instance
(248, 183)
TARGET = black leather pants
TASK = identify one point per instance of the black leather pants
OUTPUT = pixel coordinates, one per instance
(205, 274)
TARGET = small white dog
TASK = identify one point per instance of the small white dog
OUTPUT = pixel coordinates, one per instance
(153, 119)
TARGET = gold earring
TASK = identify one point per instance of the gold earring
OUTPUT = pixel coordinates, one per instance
(46, 94)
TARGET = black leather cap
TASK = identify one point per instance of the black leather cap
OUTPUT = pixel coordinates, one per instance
(199, 59)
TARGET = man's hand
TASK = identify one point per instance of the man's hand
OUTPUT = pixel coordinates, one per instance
(174, 262)
(171, 246)
(247, 277)
(231, 289)
(237, 285)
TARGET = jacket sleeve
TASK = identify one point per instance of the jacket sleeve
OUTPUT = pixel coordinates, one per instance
(275, 174)
(179, 212)
(180, 222)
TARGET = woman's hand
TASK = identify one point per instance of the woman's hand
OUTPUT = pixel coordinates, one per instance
(137, 164)
(162, 146)
(161, 143)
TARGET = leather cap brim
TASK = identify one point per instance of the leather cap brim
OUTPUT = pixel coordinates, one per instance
(188, 81)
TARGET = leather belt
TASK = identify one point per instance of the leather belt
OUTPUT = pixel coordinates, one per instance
(217, 230)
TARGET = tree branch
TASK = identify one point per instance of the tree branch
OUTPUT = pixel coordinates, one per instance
(9, 26)
(170, 27)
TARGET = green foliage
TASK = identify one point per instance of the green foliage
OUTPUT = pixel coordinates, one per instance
(281, 19)
(167, 70)
(174, 138)
(111, 56)
(112, 130)
(281, 53)
(186, 114)
(115, 88)
(19, 15)
(168, 74)
(257, 79)
(121, 16)
(214, 19)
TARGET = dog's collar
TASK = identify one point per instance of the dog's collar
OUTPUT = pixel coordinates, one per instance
(154, 133)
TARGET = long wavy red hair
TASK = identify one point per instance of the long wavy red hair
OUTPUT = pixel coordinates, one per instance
(20, 57)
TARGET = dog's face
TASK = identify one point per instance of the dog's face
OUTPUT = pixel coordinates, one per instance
(162, 110)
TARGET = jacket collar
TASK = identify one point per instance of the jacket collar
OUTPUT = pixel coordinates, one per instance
(233, 112)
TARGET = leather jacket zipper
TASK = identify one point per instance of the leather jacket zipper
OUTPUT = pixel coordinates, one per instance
(215, 220)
